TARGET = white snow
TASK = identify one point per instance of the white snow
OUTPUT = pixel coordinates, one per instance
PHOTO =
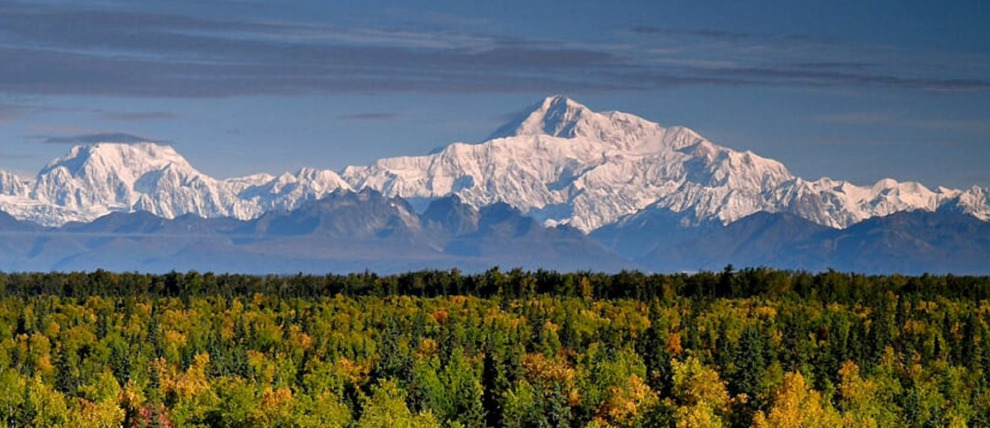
(564, 163)
(11, 184)
(560, 161)
(94, 180)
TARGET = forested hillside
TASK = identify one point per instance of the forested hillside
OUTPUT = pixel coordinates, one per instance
(756, 347)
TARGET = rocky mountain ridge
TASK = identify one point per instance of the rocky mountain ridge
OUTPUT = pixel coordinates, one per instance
(558, 162)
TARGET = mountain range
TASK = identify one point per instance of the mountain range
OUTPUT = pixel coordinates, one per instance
(560, 186)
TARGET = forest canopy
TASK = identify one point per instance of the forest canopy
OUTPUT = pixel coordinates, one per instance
(755, 347)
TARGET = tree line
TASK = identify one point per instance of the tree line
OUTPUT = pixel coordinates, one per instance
(830, 286)
(749, 348)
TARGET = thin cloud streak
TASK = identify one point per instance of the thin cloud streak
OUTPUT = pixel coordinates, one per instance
(971, 126)
(974, 126)
(137, 116)
(852, 141)
(368, 116)
(12, 112)
(97, 52)
(712, 34)
(856, 118)
(94, 138)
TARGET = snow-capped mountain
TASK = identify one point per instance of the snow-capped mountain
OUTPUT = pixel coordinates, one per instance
(563, 163)
(287, 191)
(559, 162)
(92, 181)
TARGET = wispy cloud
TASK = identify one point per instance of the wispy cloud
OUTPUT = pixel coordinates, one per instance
(828, 78)
(65, 50)
(970, 126)
(12, 112)
(714, 34)
(853, 141)
(137, 116)
(973, 126)
(856, 118)
(101, 137)
(716, 57)
(368, 116)
(62, 129)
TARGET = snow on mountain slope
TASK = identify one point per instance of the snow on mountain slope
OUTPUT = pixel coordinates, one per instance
(564, 163)
(92, 181)
(559, 162)
(562, 117)
(11, 184)
(841, 204)
(974, 201)
(288, 191)
(101, 178)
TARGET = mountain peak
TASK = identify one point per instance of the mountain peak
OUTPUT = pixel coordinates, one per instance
(556, 116)
(109, 147)
(562, 117)
(561, 103)
(559, 116)
(140, 157)
(559, 161)
(92, 180)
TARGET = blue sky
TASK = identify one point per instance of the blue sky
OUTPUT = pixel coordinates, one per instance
(856, 90)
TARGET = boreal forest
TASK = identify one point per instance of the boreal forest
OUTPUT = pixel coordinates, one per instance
(747, 348)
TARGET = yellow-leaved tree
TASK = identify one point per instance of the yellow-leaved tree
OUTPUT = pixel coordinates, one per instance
(701, 396)
(387, 408)
(796, 405)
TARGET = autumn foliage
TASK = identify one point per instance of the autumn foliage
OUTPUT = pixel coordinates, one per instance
(515, 349)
